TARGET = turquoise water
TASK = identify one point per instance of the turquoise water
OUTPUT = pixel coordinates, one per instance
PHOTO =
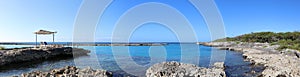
(15, 46)
(108, 58)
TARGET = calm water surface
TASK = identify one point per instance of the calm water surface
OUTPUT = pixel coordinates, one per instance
(235, 65)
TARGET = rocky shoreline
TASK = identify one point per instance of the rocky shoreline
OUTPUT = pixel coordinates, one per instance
(165, 69)
(21, 55)
(15, 56)
(95, 44)
(285, 63)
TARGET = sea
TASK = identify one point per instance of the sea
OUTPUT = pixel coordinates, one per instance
(134, 60)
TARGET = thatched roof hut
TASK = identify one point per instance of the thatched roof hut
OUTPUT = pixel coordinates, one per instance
(43, 32)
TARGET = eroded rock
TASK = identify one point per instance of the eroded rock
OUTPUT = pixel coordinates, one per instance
(285, 63)
(14, 56)
(69, 71)
(176, 69)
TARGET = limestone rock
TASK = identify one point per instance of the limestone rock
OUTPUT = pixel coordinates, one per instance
(14, 56)
(176, 69)
(284, 63)
(69, 71)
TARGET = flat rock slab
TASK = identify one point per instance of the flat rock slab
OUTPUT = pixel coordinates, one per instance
(14, 56)
(176, 69)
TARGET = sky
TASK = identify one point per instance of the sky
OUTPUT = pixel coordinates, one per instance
(20, 18)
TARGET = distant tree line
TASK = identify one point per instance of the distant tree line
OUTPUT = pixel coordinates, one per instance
(286, 40)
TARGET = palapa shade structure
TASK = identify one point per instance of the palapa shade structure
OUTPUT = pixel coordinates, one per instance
(43, 32)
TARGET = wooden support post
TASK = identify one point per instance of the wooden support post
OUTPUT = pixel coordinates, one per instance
(53, 37)
(36, 39)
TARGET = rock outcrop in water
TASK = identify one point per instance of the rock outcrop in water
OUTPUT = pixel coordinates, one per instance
(69, 71)
(165, 69)
(176, 69)
(14, 56)
(284, 63)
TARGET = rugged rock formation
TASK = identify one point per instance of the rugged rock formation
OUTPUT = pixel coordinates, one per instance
(14, 56)
(176, 69)
(284, 63)
(69, 71)
(276, 64)
(165, 69)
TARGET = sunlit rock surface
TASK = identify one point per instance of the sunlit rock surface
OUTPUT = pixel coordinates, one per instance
(285, 63)
(176, 69)
(15, 56)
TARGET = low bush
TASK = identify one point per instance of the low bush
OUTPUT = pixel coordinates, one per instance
(1, 48)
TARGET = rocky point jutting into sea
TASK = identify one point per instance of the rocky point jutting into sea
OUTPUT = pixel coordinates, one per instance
(284, 63)
(19, 55)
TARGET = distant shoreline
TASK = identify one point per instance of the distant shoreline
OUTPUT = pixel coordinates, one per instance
(100, 43)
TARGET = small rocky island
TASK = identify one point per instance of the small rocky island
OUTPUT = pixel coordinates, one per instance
(19, 55)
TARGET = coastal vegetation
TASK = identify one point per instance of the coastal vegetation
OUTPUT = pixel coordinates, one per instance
(286, 40)
(1, 48)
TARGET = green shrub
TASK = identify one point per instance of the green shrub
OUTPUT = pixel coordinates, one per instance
(264, 46)
(281, 47)
(1, 48)
(286, 40)
(273, 43)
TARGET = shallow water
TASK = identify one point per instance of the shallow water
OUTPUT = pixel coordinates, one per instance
(117, 58)
(15, 46)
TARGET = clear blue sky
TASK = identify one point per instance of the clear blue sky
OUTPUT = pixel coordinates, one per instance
(20, 18)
